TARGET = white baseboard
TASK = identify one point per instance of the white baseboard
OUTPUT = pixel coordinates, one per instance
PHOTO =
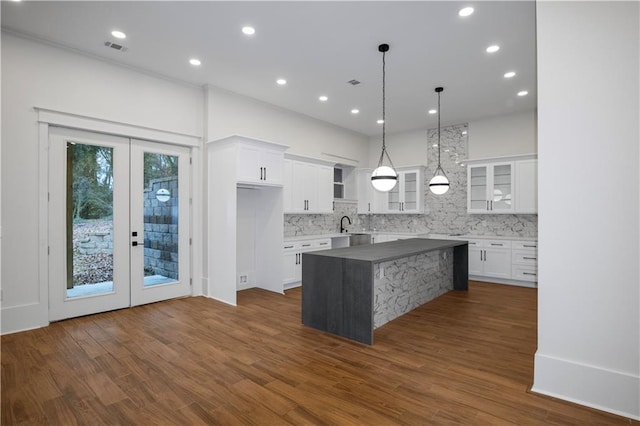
(518, 283)
(607, 390)
(23, 318)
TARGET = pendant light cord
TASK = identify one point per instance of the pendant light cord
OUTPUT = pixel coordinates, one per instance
(384, 118)
(439, 90)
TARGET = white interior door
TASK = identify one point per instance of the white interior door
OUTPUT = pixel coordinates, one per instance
(160, 195)
(102, 190)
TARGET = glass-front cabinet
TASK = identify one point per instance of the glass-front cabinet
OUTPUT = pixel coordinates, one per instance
(406, 196)
(490, 188)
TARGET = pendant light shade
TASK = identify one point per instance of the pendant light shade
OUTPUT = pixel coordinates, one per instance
(384, 178)
(439, 183)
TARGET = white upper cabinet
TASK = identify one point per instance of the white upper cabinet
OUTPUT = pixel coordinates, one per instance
(507, 185)
(490, 188)
(526, 186)
(407, 196)
(308, 186)
(259, 162)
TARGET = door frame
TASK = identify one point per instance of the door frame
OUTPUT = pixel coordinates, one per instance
(47, 117)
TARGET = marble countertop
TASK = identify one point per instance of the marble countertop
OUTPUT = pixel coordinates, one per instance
(391, 250)
(478, 237)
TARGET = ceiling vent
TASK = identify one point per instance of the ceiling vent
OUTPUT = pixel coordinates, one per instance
(353, 82)
(115, 46)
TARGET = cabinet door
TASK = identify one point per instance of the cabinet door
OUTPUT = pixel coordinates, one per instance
(324, 197)
(476, 260)
(271, 161)
(365, 192)
(497, 263)
(287, 186)
(477, 187)
(249, 164)
(411, 197)
(290, 266)
(302, 184)
(526, 186)
(501, 193)
(394, 197)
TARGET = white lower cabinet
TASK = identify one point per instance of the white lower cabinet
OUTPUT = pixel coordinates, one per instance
(525, 261)
(490, 258)
(292, 258)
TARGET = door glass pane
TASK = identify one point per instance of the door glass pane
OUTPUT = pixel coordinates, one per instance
(478, 187)
(411, 191)
(502, 187)
(160, 219)
(89, 220)
(393, 197)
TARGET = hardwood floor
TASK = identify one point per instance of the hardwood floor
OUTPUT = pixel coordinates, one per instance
(464, 358)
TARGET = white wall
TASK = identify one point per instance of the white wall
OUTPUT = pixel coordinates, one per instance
(505, 135)
(588, 150)
(405, 149)
(34, 74)
(246, 236)
(229, 113)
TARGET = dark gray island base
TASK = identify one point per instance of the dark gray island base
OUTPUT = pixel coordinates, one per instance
(353, 290)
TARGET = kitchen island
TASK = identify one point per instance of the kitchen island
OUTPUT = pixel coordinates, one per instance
(353, 290)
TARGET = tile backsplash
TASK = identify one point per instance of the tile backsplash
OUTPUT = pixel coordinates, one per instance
(447, 214)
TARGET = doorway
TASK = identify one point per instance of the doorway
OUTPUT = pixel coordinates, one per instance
(118, 222)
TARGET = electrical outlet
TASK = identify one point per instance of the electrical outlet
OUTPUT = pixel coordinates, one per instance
(243, 279)
(381, 271)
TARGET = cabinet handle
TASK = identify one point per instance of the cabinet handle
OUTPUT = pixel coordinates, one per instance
(497, 244)
(480, 255)
(369, 207)
(306, 245)
(525, 245)
(323, 244)
(288, 247)
(491, 204)
(265, 173)
(530, 258)
(529, 273)
(485, 255)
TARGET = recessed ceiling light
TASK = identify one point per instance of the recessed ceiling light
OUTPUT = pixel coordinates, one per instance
(509, 74)
(355, 111)
(380, 121)
(493, 48)
(465, 11)
(323, 98)
(523, 93)
(195, 62)
(118, 34)
(248, 30)
(433, 111)
(281, 81)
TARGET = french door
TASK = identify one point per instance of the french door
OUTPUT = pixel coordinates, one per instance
(118, 222)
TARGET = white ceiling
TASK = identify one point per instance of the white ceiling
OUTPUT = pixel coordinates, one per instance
(318, 47)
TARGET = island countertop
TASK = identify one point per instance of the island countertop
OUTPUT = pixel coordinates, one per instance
(391, 250)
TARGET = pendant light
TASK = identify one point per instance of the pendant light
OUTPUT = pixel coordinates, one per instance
(439, 184)
(384, 178)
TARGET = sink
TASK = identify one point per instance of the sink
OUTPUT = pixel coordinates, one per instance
(356, 239)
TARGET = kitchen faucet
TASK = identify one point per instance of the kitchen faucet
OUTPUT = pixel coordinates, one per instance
(342, 228)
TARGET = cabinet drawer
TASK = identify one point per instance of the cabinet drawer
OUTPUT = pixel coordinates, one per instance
(497, 244)
(524, 273)
(525, 245)
(292, 246)
(322, 244)
(525, 257)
